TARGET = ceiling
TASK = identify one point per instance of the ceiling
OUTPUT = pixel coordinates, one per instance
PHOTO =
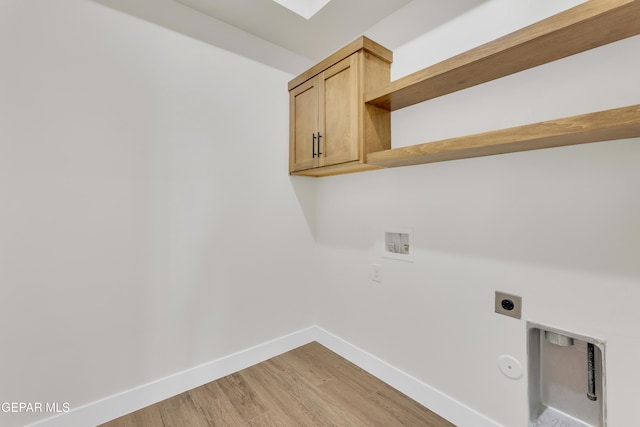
(304, 8)
(335, 25)
(268, 32)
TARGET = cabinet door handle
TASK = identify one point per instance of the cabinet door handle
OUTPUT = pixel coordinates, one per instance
(313, 145)
(319, 136)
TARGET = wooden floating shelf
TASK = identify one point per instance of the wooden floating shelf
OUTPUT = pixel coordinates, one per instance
(606, 125)
(586, 26)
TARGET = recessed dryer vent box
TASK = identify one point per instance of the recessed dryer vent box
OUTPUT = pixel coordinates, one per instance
(398, 244)
(567, 381)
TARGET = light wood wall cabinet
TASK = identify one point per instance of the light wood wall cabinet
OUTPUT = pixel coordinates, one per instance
(332, 130)
(590, 24)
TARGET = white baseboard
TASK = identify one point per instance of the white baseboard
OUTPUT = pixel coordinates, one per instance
(106, 409)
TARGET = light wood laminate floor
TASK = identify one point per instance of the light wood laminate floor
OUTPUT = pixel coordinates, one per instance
(308, 386)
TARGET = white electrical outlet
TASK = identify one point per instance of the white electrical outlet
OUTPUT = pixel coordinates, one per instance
(375, 273)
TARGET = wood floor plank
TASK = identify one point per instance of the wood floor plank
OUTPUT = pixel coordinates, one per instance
(242, 396)
(306, 363)
(367, 411)
(406, 410)
(271, 388)
(298, 399)
(149, 416)
(272, 418)
(180, 411)
(215, 406)
(306, 387)
(341, 368)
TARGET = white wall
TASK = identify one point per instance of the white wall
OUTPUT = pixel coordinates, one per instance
(147, 222)
(558, 227)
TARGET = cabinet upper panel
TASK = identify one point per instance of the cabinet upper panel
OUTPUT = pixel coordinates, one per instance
(331, 129)
(361, 43)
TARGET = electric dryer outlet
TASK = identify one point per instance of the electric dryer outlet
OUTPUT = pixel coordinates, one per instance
(508, 305)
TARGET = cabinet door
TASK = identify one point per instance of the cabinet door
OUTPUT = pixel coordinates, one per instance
(303, 110)
(339, 112)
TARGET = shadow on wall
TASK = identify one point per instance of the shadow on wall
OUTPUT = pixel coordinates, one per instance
(417, 18)
(567, 207)
(180, 18)
(306, 193)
